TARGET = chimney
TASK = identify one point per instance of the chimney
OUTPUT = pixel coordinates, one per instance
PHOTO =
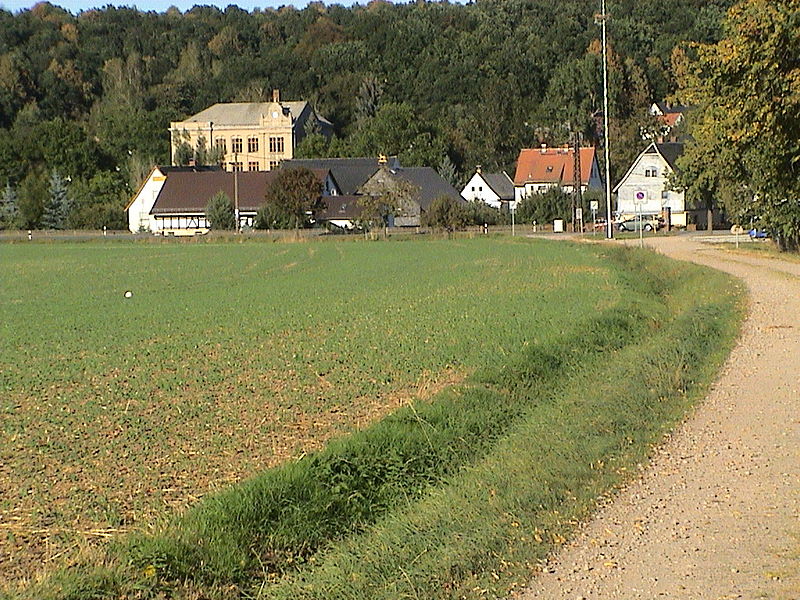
(382, 160)
(276, 95)
(192, 162)
(544, 148)
(478, 169)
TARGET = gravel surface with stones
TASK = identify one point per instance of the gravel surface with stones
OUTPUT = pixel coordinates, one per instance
(716, 514)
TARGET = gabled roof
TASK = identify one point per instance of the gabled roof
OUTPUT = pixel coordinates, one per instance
(552, 165)
(349, 173)
(188, 192)
(431, 185)
(669, 152)
(500, 183)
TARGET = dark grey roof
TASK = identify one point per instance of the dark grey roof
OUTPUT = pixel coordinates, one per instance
(340, 207)
(431, 185)
(501, 184)
(670, 151)
(349, 173)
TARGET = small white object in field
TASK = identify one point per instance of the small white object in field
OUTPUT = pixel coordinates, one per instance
(128, 294)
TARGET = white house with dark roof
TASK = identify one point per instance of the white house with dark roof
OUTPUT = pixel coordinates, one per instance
(494, 189)
(645, 187)
(173, 200)
(250, 136)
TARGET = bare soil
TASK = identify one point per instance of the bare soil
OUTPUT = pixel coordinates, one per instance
(716, 514)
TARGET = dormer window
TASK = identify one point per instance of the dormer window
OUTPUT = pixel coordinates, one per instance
(550, 168)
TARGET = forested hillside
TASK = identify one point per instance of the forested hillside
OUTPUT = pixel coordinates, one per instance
(86, 100)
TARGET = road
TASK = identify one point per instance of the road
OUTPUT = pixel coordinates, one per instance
(716, 515)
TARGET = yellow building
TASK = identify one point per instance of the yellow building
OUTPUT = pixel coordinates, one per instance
(245, 136)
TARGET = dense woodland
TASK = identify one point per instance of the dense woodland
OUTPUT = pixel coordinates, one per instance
(86, 100)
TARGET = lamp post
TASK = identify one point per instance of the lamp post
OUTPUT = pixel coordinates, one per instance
(603, 17)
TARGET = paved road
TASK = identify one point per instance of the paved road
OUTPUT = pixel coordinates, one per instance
(717, 513)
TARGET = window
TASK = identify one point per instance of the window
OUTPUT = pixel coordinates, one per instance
(236, 145)
(273, 164)
(222, 146)
(236, 166)
(252, 165)
(664, 195)
(276, 144)
(651, 172)
(252, 145)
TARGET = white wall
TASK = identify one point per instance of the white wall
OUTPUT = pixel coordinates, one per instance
(477, 190)
(139, 210)
(653, 188)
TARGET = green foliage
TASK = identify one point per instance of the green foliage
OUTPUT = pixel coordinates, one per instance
(220, 212)
(291, 199)
(445, 213)
(745, 128)
(9, 208)
(33, 196)
(56, 210)
(545, 207)
(98, 202)
(480, 213)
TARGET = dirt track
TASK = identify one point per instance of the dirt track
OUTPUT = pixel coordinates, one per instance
(716, 515)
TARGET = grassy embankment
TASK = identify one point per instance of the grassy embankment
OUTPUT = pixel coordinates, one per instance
(457, 495)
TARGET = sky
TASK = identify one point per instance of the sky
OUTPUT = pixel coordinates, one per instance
(75, 6)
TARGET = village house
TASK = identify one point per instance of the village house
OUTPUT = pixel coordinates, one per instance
(645, 190)
(494, 189)
(409, 191)
(248, 136)
(172, 200)
(541, 169)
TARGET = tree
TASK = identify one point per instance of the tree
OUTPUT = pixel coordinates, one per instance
(56, 210)
(445, 213)
(9, 211)
(545, 207)
(220, 212)
(98, 202)
(291, 199)
(746, 150)
(33, 195)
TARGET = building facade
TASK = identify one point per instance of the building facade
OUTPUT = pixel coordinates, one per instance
(540, 169)
(245, 136)
(645, 187)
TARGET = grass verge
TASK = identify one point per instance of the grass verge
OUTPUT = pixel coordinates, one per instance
(457, 497)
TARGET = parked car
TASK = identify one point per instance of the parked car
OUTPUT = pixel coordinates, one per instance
(758, 234)
(633, 224)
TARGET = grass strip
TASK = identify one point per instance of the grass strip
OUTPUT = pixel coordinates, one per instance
(426, 501)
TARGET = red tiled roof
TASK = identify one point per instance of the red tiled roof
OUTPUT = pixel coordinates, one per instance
(552, 165)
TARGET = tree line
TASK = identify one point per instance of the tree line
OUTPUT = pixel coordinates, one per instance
(86, 99)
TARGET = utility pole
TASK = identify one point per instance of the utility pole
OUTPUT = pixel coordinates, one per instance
(577, 195)
(236, 190)
(603, 17)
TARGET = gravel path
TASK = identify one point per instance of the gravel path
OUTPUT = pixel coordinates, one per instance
(716, 515)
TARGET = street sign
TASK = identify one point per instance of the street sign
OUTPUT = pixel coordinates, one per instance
(594, 205)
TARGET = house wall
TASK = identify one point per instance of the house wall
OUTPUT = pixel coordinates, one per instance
(477, 190)
(139, 217)
(274, 124)
(653, 189)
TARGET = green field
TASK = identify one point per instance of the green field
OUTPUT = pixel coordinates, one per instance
(230, 358)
